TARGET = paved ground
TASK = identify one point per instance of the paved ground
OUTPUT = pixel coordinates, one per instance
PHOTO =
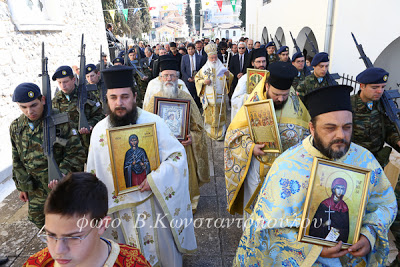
(216, 245)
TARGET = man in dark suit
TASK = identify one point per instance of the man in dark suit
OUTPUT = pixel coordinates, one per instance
(150, 57)
(156, 63)
(200, 49)
(191, 64)
(238, 65)
(174, 52)
(222, 53)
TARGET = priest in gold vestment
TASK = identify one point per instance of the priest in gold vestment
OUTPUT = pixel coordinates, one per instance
(212, 83)
(245, 163)
(195, 145)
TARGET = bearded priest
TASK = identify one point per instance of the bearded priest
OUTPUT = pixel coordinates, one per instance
(212, 85)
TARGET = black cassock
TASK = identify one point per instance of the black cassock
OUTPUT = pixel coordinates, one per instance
(339, 216)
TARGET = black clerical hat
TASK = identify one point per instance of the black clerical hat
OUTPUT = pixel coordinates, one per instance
(168, 62)
(118, 77)
(255, 53)
(328, 99)
(281, 75)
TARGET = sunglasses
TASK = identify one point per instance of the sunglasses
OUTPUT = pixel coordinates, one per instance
(242, 47)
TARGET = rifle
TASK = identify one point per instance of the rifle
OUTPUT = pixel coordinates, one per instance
(279, 42)
(50, 121)
(272, 39)
(103, 89)
(388, 96)
(313, 49)
(363, 56)
(306, 70)
(295, 43)
(127, 62)
(265, 42)
(136, 64)
(82, 90)
(329, 77)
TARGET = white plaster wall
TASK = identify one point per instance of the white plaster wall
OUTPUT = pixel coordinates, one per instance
(291, 15)
(21, 55)
(375, 24)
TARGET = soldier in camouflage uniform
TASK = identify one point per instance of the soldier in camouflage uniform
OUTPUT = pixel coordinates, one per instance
(319, 78)
(272, 57)
(93, 76)
(66, 100)
(298, 62)
(29, 161)
(283, 54)
(143, 81)
(372, 128)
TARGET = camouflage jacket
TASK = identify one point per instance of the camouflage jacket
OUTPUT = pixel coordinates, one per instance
(30, 162)
(142, 85)
(273, 58)
(309, 84)
(372, 128)
(93, 113)
(298, 79)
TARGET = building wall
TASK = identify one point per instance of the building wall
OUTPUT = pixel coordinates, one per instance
(374, 23)
(21, 54)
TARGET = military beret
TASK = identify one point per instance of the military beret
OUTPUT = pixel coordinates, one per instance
(62, 72)
(172, 44)
(103, 54)
(328, 99)
(262, 46)
(121, 53)
(26, 92)
(132, 50)
(283, 49)
(281, 75)
(118, 77)
(118, 60)
(270, 44)
(89, 68)
(168, 62)
(373, 76)
(297, 55)
(320, 57)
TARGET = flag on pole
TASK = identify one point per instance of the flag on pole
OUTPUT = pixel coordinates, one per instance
(125, 12)
(112, 14)
(135, 10)
(219, 3)
(180, 9)
(152, 8)
(233, 3)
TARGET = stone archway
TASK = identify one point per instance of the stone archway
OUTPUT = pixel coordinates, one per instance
(280, 35)
(302, 42)
(264, 36)
(389, 59)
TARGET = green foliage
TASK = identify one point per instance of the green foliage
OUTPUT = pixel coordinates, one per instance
(189, 16)
(242, 15)
(197, 7)
(136, 24)
(119, 23)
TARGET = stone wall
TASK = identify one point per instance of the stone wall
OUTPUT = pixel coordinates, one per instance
(21, 56)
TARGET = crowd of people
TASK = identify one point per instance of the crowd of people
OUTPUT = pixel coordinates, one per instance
(316, 117)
